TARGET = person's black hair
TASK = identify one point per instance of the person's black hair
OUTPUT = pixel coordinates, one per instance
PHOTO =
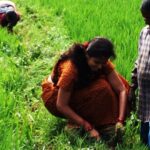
(12, 18)
(145, 7)
(101, 47)
(76, 54)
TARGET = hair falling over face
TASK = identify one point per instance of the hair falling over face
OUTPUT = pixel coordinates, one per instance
(88, 58)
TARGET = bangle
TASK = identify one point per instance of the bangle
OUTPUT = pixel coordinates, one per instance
(88, 129)
(120, 120)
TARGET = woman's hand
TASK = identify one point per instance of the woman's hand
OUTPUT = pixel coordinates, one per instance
(119, 126)
(94, 134)
(119, 129)
(87, 126)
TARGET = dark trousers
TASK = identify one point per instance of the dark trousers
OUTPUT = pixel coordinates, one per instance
(145, 135)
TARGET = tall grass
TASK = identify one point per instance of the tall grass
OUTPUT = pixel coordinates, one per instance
(27, 56)
(117, 20)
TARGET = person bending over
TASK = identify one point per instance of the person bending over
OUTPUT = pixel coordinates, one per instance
(85, 88)
(8, 15)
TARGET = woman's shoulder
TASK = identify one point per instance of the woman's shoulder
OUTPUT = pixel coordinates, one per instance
(68, 75)
(68, 66)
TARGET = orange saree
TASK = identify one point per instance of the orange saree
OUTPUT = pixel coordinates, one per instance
(96, 103)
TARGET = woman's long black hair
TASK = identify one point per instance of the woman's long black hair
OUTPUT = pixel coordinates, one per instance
(77, 54)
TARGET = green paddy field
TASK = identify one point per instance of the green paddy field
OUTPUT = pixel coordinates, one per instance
(47, 28)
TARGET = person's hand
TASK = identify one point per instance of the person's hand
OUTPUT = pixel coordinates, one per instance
(119, 129)
(119, 126)
(94, 134)
(132, 99)
(87, 126)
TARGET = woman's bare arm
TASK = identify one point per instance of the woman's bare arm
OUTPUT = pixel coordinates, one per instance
(119, 88)
(63, 106)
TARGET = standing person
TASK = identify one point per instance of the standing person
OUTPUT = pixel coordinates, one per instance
(85, 88)
(8, 15)
(141, 76)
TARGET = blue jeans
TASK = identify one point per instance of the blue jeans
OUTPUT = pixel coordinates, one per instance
(145, 133)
